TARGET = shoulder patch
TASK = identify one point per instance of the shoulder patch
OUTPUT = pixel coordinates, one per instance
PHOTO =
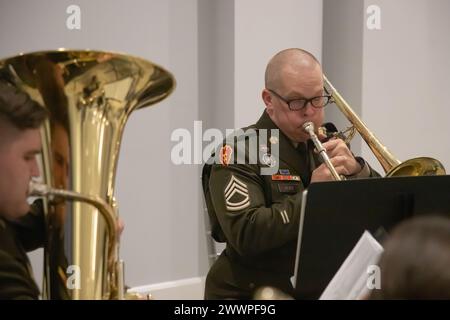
(225, 155)
(236, 195)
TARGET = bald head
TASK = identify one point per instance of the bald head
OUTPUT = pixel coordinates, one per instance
(293, 74)
(288, 61)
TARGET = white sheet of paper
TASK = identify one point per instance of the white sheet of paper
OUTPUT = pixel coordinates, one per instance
(350, 282)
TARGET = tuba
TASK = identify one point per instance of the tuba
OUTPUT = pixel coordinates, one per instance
(89, 96)
(422, 166)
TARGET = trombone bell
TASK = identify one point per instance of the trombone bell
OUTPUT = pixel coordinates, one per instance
(422, 166)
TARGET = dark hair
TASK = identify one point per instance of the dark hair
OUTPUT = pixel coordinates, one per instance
(416, 261)
(19, 109)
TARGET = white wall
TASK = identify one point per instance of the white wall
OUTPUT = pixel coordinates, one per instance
(406, 73)
(262, 28)
(343, 31)
(216, 32)
(216, 58)
(394, 78)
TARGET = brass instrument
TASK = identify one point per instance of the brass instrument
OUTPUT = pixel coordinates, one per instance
(422, 166)
(89, 96)
(308, 127)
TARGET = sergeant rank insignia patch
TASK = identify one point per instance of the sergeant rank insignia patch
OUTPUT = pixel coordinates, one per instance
(236, 195)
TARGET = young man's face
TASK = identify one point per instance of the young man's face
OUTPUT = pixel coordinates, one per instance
(18, 164)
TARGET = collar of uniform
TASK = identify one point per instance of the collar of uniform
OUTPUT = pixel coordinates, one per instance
(265, 122)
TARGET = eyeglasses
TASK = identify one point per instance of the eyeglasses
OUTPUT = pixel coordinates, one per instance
(298, 104)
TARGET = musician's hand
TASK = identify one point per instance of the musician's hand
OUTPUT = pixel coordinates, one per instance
(342, 159)
(321, 135)
(339, 152)
(322, 173)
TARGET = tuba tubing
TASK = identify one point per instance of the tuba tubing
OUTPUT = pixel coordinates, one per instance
(41, 190)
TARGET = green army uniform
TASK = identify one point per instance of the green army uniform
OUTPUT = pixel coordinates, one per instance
(16, 276)
(258, 215)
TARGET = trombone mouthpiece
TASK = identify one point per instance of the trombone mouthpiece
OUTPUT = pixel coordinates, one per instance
(308, 127)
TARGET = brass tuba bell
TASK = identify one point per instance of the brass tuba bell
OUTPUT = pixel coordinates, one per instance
(89, 96)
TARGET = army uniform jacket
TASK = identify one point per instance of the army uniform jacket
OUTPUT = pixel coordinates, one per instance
(257, 215)
(16, 238)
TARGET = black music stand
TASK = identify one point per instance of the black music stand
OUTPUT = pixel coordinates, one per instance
(334, 215)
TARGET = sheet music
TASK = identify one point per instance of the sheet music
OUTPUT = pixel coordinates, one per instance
(350, 282)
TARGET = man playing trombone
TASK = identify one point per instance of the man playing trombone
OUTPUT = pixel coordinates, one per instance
(258, 215)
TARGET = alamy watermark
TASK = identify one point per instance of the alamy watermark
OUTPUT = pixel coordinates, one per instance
(73, 277)
(374, 277)
(235, 146)
(73, 20)
(373, 21)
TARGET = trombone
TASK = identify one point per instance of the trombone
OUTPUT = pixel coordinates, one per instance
(422, 166)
